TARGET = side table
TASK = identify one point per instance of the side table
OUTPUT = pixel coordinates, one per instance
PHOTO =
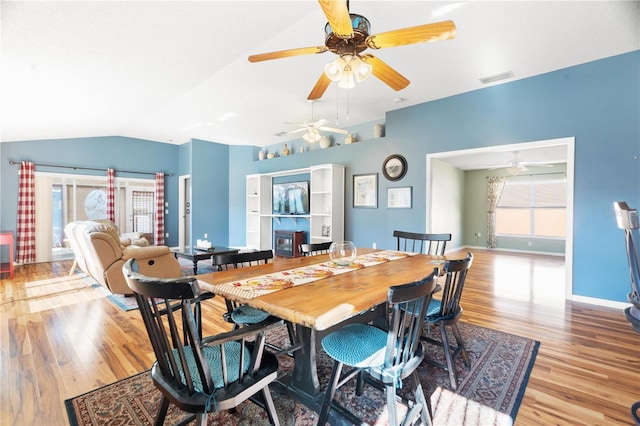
(6, 238)
(195, 254)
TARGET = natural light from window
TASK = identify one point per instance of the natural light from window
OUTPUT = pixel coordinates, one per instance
(533, 206)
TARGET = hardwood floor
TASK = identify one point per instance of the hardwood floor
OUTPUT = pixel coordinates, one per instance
(59, 339)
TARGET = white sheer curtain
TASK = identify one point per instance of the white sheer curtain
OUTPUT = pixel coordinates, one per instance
(495, 186)
(44, 218)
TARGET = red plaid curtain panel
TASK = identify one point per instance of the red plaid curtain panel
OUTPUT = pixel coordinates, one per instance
(26, 233)
(159, 240)
(111, 195)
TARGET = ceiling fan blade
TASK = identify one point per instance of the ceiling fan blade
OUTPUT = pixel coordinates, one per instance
(319, 123)
(337, 14)
(290, 132)
(444, 30)
(318, 90)
(536, 163)
(334, 130)
(287, 53)
(384, 72)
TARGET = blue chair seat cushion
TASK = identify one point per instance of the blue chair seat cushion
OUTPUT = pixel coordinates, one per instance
(247, 315)
(357, 345)
(214, 360)
(433, 310)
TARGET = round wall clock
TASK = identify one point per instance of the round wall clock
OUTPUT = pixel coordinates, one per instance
(394, 167)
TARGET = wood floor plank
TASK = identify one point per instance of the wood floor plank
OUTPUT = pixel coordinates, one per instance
(587, 372)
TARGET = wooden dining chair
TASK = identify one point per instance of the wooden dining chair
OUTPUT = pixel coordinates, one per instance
(241, 315)
(433, 244)
(200, 375)
(389, 356)
(315, 248)
(445, 312)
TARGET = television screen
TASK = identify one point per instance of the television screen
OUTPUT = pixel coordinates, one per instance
(291, 198)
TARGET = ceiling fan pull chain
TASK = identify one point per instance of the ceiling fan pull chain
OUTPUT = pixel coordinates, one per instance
(347, 105)
(337, 107)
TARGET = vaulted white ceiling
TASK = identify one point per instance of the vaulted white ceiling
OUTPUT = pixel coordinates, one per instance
(170, 71)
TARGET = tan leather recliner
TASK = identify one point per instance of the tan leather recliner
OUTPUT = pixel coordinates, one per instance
(100, 253)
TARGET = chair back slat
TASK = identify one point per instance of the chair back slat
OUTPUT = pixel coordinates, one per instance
(168, 313)
(200, 374)
(407, 305)
(240, 260)
(315, 248)
(435, 244)
(455, 275)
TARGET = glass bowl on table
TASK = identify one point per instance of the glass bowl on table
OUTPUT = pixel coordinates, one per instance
(342, 253)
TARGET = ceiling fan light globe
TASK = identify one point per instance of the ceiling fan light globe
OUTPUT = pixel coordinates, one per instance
(362, 70)
(347, 80)
(334, 69)
(513, 171)
(311, 136)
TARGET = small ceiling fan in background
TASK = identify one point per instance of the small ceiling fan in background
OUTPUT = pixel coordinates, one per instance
(313, 129)
(347, 35)
(517, 166)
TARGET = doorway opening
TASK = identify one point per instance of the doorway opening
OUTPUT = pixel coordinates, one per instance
(484, 159)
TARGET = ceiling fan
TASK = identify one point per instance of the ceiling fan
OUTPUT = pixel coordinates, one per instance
(313, 129)
(517, 166)
(347, 35)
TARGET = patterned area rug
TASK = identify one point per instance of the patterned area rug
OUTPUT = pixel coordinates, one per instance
(489, 393)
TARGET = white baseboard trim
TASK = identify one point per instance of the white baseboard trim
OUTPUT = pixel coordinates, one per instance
(546, 253)
(600, 302)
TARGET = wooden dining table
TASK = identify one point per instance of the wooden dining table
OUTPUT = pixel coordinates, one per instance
(319, 307)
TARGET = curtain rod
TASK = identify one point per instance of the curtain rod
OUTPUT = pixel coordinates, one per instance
(87, 168)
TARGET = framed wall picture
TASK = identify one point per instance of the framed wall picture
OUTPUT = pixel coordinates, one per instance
(399, 198)
(394, 167)
(365, 190)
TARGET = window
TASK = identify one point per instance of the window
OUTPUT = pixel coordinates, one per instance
(64, 198)
(533, 206)
(143, 211)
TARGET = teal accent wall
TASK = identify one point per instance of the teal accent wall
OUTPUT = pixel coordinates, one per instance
(597, 103)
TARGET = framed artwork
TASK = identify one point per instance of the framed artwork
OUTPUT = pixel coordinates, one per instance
(399, 198)
(394, 167)
(365, 191)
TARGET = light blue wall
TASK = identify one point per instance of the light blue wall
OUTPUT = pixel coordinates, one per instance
(598, 103)
(209, 191)
(115, 152)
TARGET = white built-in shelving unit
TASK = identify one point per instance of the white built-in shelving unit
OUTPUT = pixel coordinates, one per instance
(326, 202)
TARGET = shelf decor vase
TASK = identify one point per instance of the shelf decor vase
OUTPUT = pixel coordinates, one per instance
(325, 142)
(378, 131)
(343, 253)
